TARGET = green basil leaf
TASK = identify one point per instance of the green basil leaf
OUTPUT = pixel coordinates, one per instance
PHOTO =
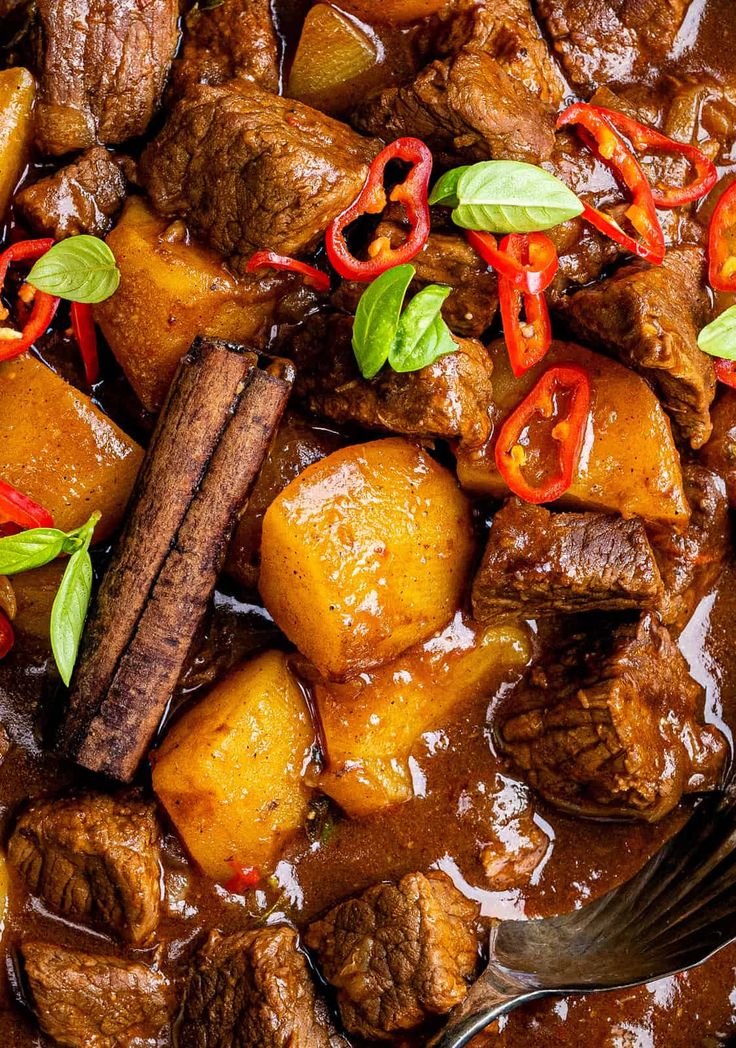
(377, 318)
(81, 269)
(719, 337)
(69, 612)
(445, 189)
(507, 196)
(422, 336)
(30, 549)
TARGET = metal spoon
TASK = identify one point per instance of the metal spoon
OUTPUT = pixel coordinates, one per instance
(672, 915)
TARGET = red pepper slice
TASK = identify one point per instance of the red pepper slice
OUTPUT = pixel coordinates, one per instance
(7, 636)
(722, 243)
(603, 139)
(244, 879)
(44, 306)
(563, 390)
(412, 193)
(726, 372)
(83, 327)
(532, 275)
(527, 339)
(270, 260)
(647, 140)
(17, 508)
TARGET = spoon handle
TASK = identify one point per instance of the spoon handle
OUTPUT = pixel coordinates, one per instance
(485, 1003)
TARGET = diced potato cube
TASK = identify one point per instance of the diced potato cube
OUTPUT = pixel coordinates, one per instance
(17, 92)
(332, 60)
(172, 290)
(60, 450)
(229, 773)
(365, 554)
(34, 593)
(394, 12)
(629, 464)
(371, 725)
(297, 444)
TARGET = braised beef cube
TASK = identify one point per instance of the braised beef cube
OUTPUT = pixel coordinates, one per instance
(465, 108)
(101, 70)
(85, 1000)
(450, 398)
(250, 170)
(649, 317)
(604, 41)
(254, 989)
(234, 40)
(516, 843)
(508, 32)
(692, 561)
(472, 305)
(610, 725)
(93, 858)
(398, 954)
(537, 562)
(719, 454)
(83, 197)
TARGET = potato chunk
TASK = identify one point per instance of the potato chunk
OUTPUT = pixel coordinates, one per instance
(172, 290)
(371, 725)
(629, 464)
(229, 773)
(366, 553)
(59, 449)
(333, 61)
(35, 592)
(17, 92)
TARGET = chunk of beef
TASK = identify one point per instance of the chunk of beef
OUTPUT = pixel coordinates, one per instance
(254, 988)
(235, 40)
(450, 398)
(610, 725)
(719, 454)
(515, 847)
(85, 1000)
(93, 858)
(508, 32)
(649, 317)
(250, 170)
(608, 41)
(83, 197)
(537, 561)
(397, 954)
(691, 561)
(470, 308)
(102, 68)
(465, 108)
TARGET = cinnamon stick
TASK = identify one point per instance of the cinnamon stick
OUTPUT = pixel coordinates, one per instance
(209, 445)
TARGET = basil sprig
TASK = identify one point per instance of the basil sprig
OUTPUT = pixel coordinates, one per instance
(38, 546)
(80, 269)
(408, 341)
(505, 196)
(719, 337)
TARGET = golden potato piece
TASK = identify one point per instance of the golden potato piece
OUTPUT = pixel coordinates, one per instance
(59, 449)
(34, 593)
(17, 92)
(172, 290)
(629, 464)
(366, 553)
(371, 725)
(332, 61)
(229, 773)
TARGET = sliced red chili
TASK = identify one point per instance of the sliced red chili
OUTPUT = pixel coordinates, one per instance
(722, 243)
(523, 442)
(526, 325)
(647, 141)
(726, 372)
(17, 508)
(270, 260)
(83, 326)
(532, 275)
(412, 193)
(603, 139)
(7, 636)
(244, 879)
(14, 343)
